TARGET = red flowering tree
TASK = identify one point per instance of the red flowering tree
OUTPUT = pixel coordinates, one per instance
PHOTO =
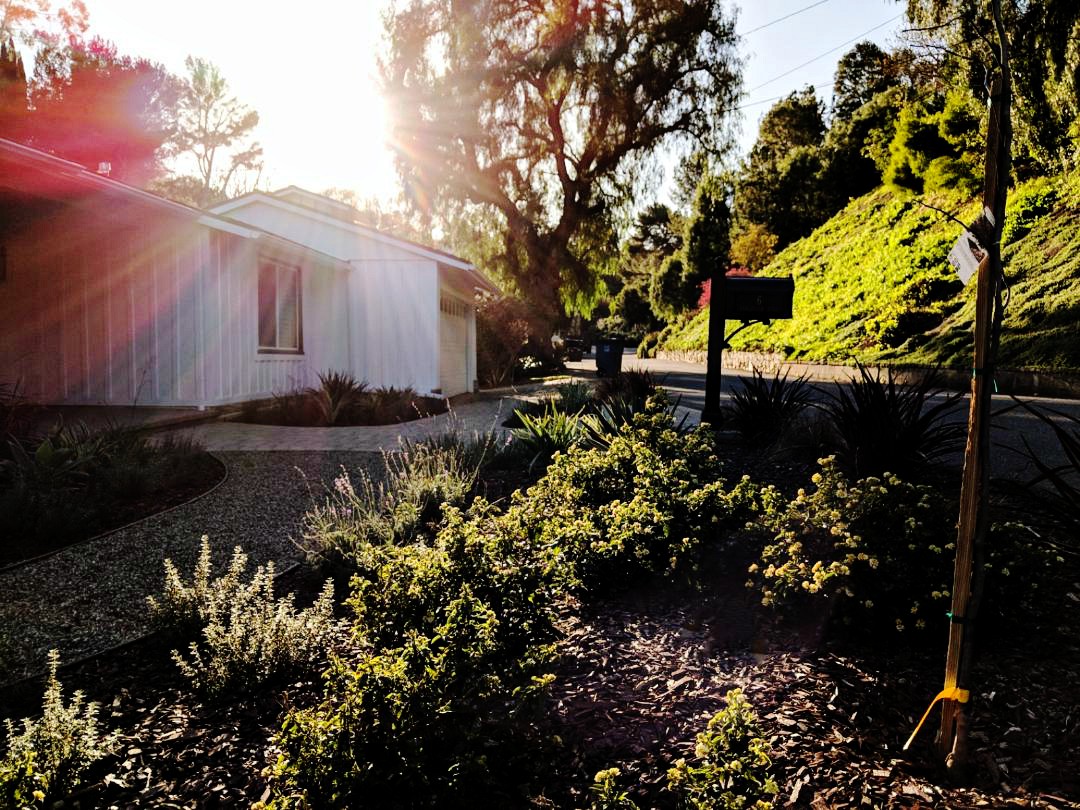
(91, 105)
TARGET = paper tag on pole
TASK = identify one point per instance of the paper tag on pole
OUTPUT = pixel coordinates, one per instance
(966, 255)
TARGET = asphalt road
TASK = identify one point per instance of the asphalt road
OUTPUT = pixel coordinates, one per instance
(1010, 427)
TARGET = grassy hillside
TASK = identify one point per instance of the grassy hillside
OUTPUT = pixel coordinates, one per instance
(873, 284)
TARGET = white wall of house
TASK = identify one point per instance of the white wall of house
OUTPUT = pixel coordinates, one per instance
(394, 294)
(98, 311)
(395, 328)
(235, 368)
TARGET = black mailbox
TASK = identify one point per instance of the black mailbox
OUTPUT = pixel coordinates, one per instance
(746, 298)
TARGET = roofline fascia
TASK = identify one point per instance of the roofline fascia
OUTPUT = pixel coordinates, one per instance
(56, 165)
(409, 247)
(322, 198)
(83, 174)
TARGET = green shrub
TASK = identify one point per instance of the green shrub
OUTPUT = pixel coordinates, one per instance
(454, 638)
(648, 346)
(883, 425)
(878, 549)
(880, 553)
(418, 480)
(48, 757)
(606, 792)
(453, 634)
(610, 417)
(642, 502)
(1026, 207)
(248, 636)
(502, 330)
(761, 410)
(730, 769)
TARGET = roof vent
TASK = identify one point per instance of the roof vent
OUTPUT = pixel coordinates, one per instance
(104, 167)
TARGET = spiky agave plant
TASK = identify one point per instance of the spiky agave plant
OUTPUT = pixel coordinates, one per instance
(762, 408)
(1056, 488)
(889, 426)
(336, 395)
(543, 435)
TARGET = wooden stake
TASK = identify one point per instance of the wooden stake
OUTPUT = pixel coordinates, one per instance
(973, 522)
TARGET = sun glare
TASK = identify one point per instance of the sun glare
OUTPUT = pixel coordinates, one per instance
(308, 71)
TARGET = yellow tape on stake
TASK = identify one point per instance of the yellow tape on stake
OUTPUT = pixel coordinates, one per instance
(948, 693)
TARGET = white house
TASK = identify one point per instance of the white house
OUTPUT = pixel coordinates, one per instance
(412, 319)
(110, 295)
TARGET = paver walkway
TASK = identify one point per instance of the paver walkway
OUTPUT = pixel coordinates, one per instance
(472, 417)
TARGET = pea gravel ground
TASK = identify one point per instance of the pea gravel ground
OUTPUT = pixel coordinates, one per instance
(90, 597)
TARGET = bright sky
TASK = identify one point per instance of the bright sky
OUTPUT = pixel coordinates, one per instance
(825, 29)
(309, 69)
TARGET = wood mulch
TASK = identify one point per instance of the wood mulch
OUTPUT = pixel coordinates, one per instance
(639, 675)
(642, 675)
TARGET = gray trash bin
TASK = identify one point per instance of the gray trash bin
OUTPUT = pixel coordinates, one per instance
(609, 353)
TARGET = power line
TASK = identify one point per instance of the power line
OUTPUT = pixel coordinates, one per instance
(826, 53)
(785, 17)
(772, 98)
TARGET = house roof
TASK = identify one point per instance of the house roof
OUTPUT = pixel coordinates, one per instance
(56, 178)
(275, 200)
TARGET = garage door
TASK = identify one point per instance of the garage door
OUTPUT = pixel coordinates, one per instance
(453, 345)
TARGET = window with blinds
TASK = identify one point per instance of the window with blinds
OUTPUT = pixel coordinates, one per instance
(279, 308)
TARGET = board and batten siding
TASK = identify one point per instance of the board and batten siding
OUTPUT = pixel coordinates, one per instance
(395, 329)
(96, 311)
(393, 295)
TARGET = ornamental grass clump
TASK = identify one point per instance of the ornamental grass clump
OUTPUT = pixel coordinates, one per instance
(247, 635)
(417, 481)
(336, 397)
(541, 437)
(761, 409)
(574, 397)
(885, 425)
(48, 757)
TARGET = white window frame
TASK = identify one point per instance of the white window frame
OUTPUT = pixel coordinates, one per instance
(282, 272)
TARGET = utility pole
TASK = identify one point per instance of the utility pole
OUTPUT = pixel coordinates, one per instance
(973, 522)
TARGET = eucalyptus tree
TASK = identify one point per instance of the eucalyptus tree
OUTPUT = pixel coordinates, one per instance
(548, 116)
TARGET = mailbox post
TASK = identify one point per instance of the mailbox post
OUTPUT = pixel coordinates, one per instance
(715, 357)
(739, 298)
